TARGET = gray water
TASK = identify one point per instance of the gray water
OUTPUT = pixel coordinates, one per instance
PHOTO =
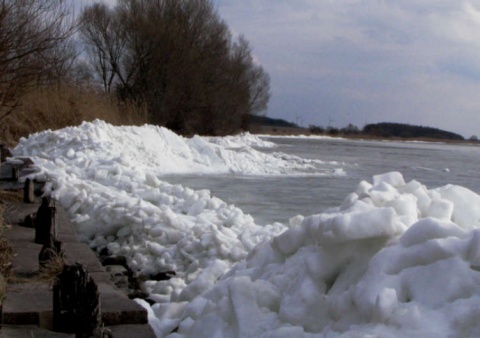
(277, 199)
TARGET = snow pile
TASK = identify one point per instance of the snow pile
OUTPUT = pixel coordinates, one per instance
(109, 180)
(302, 136)
(394, 260)
(242, 140)
(159, 150)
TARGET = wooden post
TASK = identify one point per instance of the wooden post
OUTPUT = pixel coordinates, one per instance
(4, 153)
(76, 303)
(28, 191)
(45, 227)
(15, 173)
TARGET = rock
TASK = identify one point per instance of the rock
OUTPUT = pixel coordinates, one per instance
(114, 260)
(166, 275)
(118, 275)
(29, 220)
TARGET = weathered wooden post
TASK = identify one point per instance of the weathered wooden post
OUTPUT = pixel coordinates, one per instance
(45, 227)
(76, 303)
(2, 153)
(15, 173)
(29, 191)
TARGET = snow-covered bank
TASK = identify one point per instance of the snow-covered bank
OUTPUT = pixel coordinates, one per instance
(302, 136)
(109, 180)
(159, 150)
(395, 259)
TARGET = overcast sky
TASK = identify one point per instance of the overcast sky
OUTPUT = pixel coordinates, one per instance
(334, 62)
(354, 61)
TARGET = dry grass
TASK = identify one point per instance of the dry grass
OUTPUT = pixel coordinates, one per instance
(5, 257)
(3, 288)
(6, 252)
(57, 107)
(10, 196)
(49, 272)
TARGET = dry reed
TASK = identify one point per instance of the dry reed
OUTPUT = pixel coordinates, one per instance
(59, 106)
(51, 269)
(6, 252)
(3, 288)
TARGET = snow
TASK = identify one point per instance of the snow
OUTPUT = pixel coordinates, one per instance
(376, 266)
(242, 140)
(395, 259)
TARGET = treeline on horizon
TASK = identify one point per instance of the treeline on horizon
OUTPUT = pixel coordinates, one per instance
(389, 130)
(408, 131)
(380, 130)
(173, 63)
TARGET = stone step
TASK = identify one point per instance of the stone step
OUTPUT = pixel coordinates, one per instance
(129, 331)
(30, 331)
(6, 172)
(30, 302)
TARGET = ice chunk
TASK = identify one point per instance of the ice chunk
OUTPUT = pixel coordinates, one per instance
(363, 189)
(441, 209)
(296, 221)
(385, 304)
(346, 227)
(291, 240)
(429, 228)
(411, 187)
(404, 205)
(70, 153)
(466, 212)
(393, 178)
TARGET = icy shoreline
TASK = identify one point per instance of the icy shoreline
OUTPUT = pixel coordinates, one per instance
(395, 259)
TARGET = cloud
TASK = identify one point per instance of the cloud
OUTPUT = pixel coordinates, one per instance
(82, 3)
(353, 61)
(372, 60)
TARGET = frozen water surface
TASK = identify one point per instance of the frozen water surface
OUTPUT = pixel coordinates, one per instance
(270, 199)
(369, 254)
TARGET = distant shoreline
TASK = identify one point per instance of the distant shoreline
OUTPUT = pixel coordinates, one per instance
(291, 131)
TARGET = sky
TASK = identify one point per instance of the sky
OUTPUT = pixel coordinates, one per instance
(335, 62)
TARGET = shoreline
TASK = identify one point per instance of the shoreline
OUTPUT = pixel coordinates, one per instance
(296, 132)
(118, 312)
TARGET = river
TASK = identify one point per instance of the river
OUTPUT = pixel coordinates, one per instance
(278, 198)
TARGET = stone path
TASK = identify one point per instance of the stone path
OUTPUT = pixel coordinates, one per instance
(28, 306)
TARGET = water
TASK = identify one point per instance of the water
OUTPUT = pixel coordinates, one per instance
(277, 199)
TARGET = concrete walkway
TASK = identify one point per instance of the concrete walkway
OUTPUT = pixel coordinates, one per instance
(28, 306)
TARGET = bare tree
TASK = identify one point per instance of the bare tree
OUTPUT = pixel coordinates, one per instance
(33, 46)
(105, 40)
(178, 58)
